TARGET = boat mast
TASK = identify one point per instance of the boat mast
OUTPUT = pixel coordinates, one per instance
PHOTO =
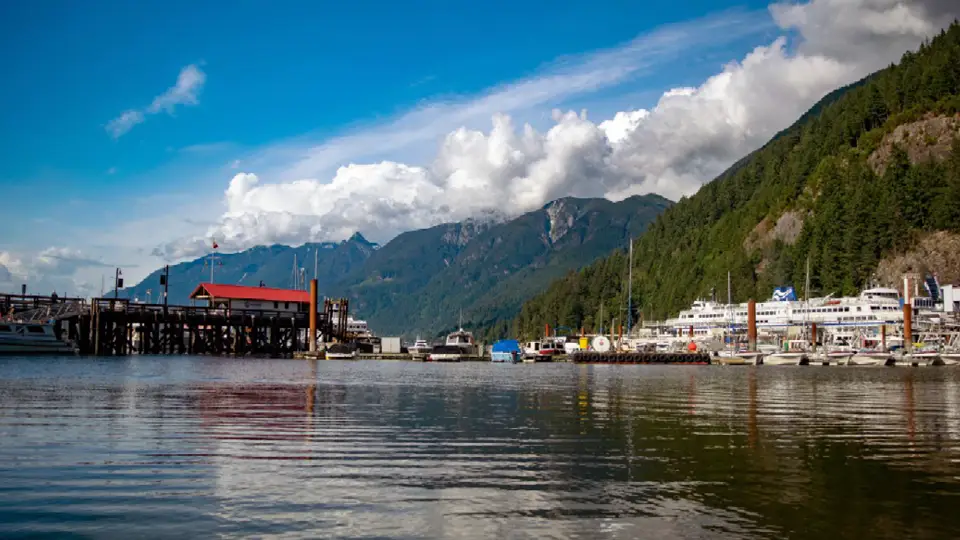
(806, 300)
(630, 289)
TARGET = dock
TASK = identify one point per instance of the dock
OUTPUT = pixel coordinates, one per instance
(591, 357)
(118, 327)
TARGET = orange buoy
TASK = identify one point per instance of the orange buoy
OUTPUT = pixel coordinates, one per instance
(692, 347)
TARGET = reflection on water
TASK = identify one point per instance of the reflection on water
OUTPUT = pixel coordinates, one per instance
(159, 447)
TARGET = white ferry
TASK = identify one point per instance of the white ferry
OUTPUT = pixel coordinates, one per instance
(873, 307)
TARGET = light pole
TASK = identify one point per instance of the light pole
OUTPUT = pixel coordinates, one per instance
(117, 284)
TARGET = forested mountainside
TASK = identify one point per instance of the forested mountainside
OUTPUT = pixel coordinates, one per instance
(420, 281)
(870, 173)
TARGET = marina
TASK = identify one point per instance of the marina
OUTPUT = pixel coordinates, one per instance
(865, 330)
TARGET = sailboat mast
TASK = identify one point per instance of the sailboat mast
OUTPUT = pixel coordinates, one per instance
(630, 289)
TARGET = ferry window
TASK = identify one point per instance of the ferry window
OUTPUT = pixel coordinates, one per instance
(286, 305)
(4, 328)
(35, 329)
(276, 305)
(846, 309)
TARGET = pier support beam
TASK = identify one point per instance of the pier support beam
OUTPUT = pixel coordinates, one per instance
(907, 316)
(883, 337)
(312, 338)
(752, 324)
(907, 326)
(813, 336)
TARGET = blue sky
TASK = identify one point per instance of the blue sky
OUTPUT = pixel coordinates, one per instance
(295, 90)
(275, 70)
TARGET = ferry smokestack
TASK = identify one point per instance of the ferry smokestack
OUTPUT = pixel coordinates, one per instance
(312, 338)
(752, 324)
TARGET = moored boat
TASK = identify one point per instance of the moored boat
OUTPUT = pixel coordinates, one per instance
(447, 353)
(795, 353)
(506, 351)
(31, 338)
(420, 349)
(340, 351)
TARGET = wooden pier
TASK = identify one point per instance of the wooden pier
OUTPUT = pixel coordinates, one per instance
(116, 327)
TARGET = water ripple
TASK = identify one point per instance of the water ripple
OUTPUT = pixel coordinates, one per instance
(198, 447)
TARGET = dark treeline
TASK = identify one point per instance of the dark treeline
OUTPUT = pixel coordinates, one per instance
(853, 213)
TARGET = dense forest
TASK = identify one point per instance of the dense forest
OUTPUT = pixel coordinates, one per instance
(855, 179)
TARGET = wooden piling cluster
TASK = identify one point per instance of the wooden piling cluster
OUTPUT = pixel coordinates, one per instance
(118, 327)
(111, 327)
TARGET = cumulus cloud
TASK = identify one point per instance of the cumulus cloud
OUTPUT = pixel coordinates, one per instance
(185, 92)
(52, 269)
(690, 136)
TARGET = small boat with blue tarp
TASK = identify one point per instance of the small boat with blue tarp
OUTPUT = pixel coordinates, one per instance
(506, 351)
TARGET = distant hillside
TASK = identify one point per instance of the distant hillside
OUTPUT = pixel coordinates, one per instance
(857, 180)
(273, 265)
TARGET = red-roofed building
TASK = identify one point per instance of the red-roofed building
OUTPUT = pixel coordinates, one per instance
(243, 297)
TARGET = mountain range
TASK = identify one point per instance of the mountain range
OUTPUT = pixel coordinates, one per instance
(421, 281)
(864, 187)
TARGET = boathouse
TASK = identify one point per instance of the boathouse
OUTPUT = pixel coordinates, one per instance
(224, 296)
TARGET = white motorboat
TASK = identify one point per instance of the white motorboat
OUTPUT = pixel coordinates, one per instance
(541, 351)
(447, 353)
(869, 357)
(795, 353)
(31, 338)
(840, 356)
(420, 349)
(463, 340)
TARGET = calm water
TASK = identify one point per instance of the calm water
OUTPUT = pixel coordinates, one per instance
(202, 447)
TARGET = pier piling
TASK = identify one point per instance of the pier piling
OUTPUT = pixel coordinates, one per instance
(312, 338)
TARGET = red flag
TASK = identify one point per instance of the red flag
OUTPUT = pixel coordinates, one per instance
(215, 246)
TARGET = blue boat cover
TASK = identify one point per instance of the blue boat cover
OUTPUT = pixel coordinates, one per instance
(506, 346)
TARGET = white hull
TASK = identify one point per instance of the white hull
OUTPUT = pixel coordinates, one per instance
(446, 357)
(341, 356)
(950, 359)
(784, 359)
(841, 359)
(27, 338)
(868, 360)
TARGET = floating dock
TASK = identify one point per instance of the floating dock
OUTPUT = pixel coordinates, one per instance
(695, 359)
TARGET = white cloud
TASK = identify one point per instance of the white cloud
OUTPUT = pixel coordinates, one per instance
(124, 123)
(690, 136)
(52, 269)
(186, 91)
